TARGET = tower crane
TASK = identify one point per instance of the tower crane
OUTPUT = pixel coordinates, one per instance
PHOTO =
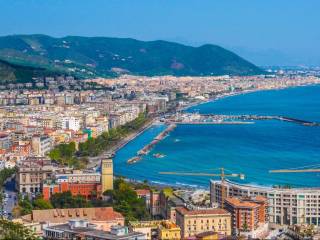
(222, 176)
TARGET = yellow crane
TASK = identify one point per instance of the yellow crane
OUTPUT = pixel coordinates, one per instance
(222, 176)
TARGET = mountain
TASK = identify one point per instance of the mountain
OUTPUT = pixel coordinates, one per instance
(101, 56)
(11, 73)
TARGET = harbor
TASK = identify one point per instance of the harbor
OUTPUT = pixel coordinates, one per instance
(146, 149)
(196, 118)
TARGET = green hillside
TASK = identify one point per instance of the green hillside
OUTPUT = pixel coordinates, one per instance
(12, 73)
(100, 56)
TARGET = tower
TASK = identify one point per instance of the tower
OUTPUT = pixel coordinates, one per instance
(106, 174)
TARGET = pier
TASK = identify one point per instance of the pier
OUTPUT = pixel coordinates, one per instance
(196, 118)
(146, 149)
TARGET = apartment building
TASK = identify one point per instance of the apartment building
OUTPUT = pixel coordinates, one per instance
(30, 174)
(193, 222)
(285, 206)
(71, 123)
(155, 210)
(248, 214)
(41, 145)
(5, 141)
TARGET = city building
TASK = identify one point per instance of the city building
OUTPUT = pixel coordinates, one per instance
(286, 206)
(41, 145)
(169, 231)
(248, 214)
(145, 195)
(71, 123)
(5, 141)
(210, 235)
(31, 173)
(168, 204)
(157, 229)
(103, 217)
(193, 222)
(155, 210)
(106, 174)
(84, 230)
(87, 184)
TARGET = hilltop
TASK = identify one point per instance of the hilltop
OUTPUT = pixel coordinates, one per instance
(102, 56)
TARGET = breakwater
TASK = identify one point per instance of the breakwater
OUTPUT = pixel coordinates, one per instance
(146, 149)
(195, 118)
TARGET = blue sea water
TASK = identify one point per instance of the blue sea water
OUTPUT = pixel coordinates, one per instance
(252, 149)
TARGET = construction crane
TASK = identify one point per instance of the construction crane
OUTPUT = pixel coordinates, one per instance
(222, 176)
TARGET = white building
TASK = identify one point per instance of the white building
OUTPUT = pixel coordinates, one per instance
(71, 123)
(285, 206)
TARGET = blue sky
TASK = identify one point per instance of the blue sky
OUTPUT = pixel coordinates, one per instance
(260, 30)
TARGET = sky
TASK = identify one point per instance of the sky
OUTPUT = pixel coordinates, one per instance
(267, 32)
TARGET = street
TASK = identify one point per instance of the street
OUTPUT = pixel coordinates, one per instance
(9, 199)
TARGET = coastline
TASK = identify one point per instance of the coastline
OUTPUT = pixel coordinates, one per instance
(132, 136)
(237, 93)
(218, 97)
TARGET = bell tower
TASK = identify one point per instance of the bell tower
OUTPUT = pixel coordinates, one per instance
(107, 174)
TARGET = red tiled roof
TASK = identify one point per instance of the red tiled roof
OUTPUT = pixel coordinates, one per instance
(63, 215)
(241, 203)
(213, 211)
(143, 191)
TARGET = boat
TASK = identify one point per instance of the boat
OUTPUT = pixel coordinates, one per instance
(158, 155)
(134, 160)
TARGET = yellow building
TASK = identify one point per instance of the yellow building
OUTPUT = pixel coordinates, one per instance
(169, 231)
(157, 229)
(193, 222)
(207, 236)
(107, 174)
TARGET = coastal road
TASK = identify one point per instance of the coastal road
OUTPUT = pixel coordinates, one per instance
(95, 162)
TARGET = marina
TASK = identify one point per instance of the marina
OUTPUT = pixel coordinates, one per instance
(254, 149)
(196, 118)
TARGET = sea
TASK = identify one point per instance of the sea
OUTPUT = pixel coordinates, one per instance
(250, 149)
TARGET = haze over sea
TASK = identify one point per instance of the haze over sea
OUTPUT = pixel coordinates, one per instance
(252, 149)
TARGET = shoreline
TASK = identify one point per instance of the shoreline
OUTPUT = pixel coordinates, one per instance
(247, 91)
(132, 136)
(187, 107)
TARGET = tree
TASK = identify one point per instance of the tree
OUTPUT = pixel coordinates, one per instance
(16, 211)
(66, 200)
(26, 206)
(124, 199)
(11, 231)
(41, 203)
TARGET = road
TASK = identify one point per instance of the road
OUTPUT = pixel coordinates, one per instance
(94, 162)
(10, 199)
